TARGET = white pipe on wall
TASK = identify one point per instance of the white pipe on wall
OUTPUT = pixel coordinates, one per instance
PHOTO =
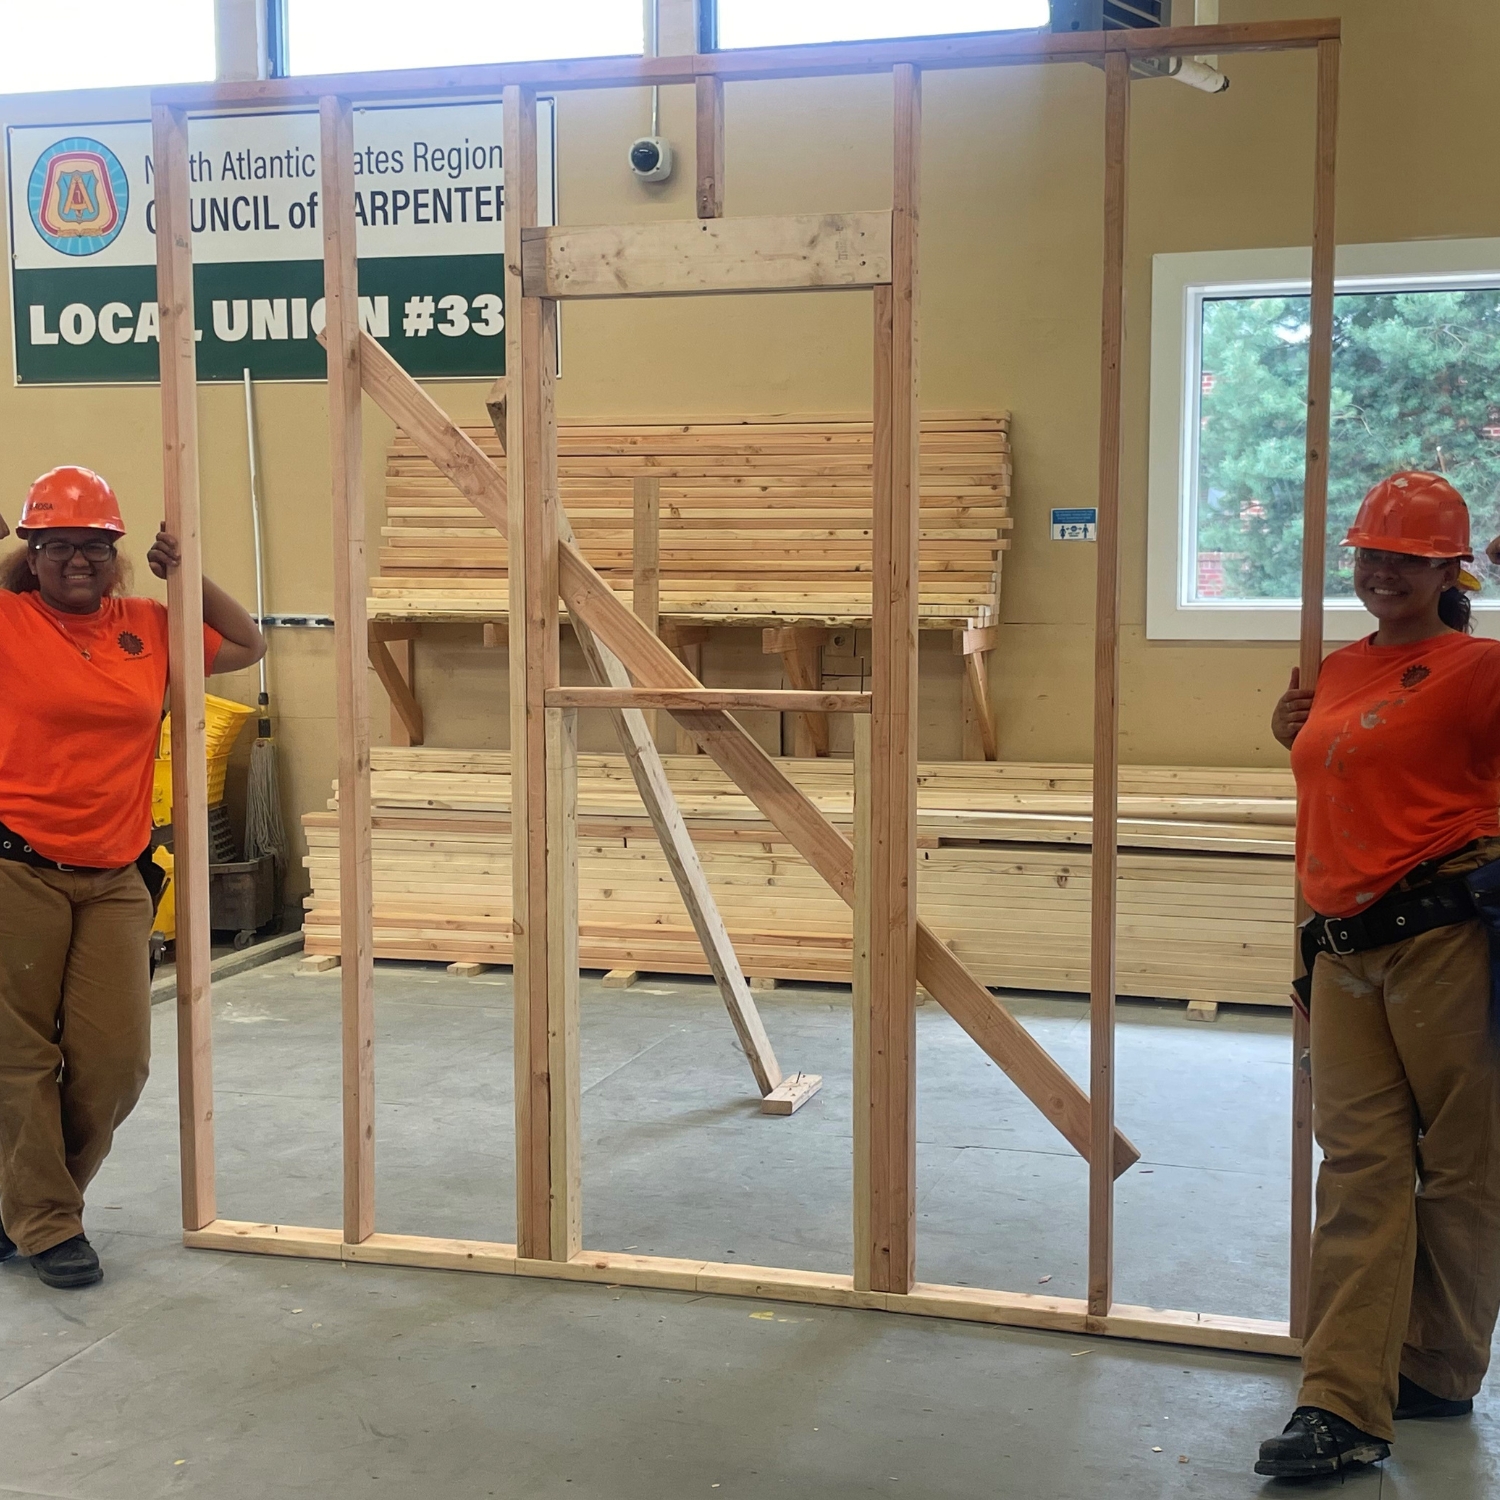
(1199, 75)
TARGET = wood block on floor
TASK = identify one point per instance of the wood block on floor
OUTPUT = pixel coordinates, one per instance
(467, 971)
(791, 1094)
(1203, 1010)
(764, 984)
(318, 963)
(620, 979)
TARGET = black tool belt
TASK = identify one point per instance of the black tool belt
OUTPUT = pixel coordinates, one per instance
(14, 847)
(1405, 912)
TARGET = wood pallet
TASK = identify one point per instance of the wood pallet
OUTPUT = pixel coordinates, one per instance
(762, 522)
(1205, 892)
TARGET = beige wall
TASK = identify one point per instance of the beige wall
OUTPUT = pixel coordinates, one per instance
(1010, 276)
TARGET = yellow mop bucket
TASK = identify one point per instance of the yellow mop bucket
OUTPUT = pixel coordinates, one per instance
(225, 720)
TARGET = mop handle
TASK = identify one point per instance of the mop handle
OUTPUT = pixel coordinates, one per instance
(264, 725)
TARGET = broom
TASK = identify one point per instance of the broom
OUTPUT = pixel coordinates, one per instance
(265, 832)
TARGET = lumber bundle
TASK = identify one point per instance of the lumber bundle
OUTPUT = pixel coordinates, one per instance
(762, 521)
(1003, 872)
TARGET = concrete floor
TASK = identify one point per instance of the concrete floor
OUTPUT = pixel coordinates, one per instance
(198, 1374)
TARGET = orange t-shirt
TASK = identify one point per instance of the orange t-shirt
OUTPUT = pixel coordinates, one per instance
(1399, 762)
(82, 699)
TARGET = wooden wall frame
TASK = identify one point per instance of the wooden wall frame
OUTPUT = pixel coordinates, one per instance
(894, 951)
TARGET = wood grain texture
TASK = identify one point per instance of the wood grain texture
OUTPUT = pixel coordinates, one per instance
(645, 561)
(563, 1089)
(977, 681)
(650, 662)
(402, 651)
(1003, 874)
(179, 423)
(709, 123)
(660, 805)
(406, 711)
(675, 257)
(761, 1283)
(351, 643)
(866, 1254)
(645, 558)
(531, 454)
(985, 50)
(893, 725)
(1106, 853)
(795, 1090)
(801, 650)
(1310, 653)
(784, 700)
(760, 520)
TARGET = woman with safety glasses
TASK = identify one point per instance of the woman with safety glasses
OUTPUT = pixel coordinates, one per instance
(1396, 755)
(85, 674)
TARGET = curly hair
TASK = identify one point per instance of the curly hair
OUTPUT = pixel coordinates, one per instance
(16, 576)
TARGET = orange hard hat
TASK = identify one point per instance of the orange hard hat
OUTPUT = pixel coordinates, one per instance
(70, 496)
(1413, 512)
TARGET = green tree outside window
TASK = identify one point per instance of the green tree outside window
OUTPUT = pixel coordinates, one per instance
(1416, 385)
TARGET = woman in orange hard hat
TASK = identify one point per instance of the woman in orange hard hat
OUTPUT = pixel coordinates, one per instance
(85, 673)
(1396, 755)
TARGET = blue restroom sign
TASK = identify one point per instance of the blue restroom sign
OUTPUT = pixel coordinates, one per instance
(1078, 524)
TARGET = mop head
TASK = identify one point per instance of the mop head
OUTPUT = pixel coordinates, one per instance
(264, 831)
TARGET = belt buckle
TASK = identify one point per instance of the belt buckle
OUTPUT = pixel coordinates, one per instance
(1333, 942)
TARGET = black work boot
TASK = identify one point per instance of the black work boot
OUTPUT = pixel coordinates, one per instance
(1417, 1402)
(1318, 1442)
(7, 1246)
(70, 1264)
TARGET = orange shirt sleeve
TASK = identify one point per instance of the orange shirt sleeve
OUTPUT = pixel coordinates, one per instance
(212, 639)
(1483, 708)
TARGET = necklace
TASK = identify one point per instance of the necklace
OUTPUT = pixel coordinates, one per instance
(51, 615)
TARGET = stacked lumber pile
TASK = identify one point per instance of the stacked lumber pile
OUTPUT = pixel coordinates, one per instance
(1205, 873)
(762, 522)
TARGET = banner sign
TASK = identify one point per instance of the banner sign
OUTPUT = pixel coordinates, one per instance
(429, 198)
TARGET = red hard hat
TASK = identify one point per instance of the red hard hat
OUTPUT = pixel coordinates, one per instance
(70, 496)
(1413, 512)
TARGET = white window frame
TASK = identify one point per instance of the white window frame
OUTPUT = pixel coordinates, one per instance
(1179, 284)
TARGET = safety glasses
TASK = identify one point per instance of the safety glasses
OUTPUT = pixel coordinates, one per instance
(1397, 562)
(56, 550)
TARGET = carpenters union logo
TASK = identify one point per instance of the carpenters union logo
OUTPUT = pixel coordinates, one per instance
(78, 196)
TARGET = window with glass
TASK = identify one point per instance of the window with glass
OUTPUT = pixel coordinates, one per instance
(101, 44)
(359, 36)
(1416, 385)
(777, 23)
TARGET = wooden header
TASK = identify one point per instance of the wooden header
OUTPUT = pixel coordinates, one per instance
(680, 257)
(696, 700)
(995, 49)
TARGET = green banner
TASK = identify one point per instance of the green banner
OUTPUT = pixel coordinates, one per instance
(429, 197)
(439, 315)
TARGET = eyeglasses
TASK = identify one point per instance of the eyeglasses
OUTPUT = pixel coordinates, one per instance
(1398, 562)
(58, 551)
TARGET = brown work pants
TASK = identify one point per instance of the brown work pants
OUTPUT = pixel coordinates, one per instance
(75, 1037)
(1406, 1106)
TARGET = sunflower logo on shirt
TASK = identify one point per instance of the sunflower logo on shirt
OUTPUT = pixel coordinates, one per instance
(1412, 676)
(130, 643)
